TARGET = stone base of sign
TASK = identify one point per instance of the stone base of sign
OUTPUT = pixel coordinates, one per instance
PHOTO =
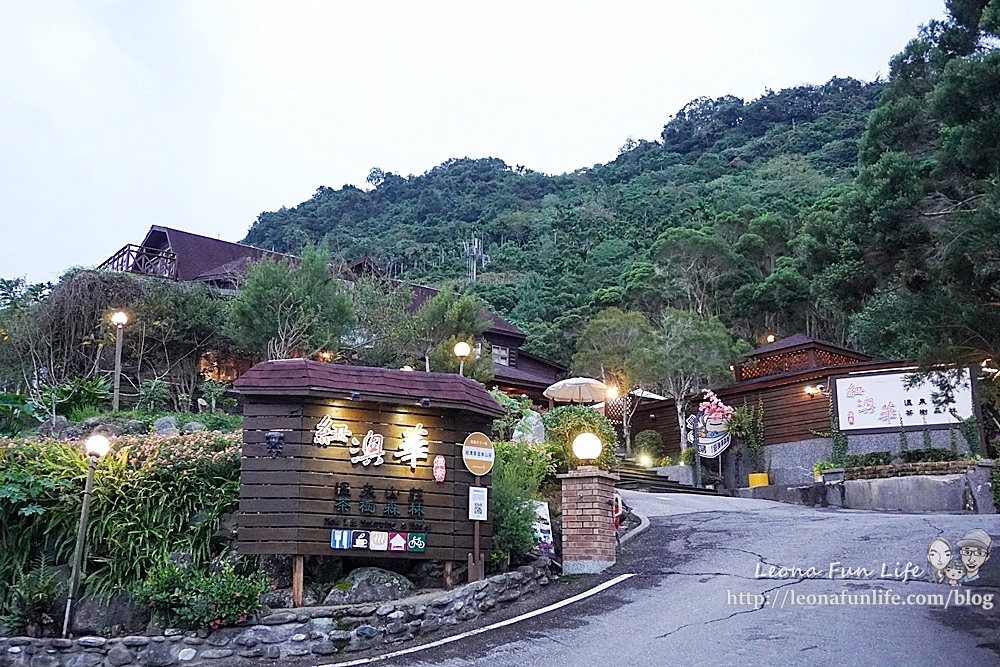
(588, 525)
(586, 566)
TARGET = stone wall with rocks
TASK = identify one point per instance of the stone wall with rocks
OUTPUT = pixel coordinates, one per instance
(290, 633)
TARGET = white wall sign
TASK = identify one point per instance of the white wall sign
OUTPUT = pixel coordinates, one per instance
(477, 503)
(883, 400)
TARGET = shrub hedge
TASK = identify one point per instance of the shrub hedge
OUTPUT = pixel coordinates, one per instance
(152, 496)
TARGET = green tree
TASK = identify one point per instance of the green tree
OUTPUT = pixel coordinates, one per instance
(620, 348)
(286, 309)
(696, 353)
(383, 330)
(446, 318)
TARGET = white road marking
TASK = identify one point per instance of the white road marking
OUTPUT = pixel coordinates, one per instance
(471, 633)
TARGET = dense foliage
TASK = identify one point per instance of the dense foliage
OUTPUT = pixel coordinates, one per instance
(152, 497)
(183, 596)
(518, 473)
(740, 194)
(563, 424)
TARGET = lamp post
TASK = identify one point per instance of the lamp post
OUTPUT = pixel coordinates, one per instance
(588, 501)
(462, 350)
(97, 446)
(120, 319)
(587, 447)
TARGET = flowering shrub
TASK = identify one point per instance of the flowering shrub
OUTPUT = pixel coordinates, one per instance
(190, 598)
(713, 407)
(152, 496)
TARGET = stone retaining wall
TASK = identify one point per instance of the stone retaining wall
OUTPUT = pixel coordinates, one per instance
(907, 469)
(291, 633)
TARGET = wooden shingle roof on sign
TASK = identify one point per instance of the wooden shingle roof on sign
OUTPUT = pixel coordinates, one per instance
(300, 377)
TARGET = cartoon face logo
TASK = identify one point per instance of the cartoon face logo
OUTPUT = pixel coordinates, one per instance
(938, 555)
(954, 572)
(975, 547)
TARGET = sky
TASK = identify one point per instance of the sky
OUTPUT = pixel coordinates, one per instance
(199, 115)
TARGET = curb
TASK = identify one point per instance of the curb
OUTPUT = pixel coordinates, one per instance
(638, 530)
(478, 631)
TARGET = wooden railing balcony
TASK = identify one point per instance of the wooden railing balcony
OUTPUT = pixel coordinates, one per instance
(144, 261)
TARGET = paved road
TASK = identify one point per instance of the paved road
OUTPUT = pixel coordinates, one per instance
(702, 551)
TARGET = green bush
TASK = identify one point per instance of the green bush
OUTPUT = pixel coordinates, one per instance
(212, 391)
(29, 598)
(153, 395)
(152, 496)
(77, 394)
(519, 471)
(17, 413)
(516, 408)
(649, 443)
(563, 424)
(995, 480)
(970, 431)
(688, 456)
(186, 597)
(869, 459)
(220, 421)
(929, 455)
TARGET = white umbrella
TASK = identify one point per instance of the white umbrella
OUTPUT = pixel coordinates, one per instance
(577, 390)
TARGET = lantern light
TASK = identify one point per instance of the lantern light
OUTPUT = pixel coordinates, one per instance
(98, 445)
(120, 318)
(587, 446)
(611, 393)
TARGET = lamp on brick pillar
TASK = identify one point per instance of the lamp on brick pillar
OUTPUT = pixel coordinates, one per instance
(588, 524)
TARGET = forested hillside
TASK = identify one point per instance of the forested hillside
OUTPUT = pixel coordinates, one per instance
(735, 188)
(852, 211)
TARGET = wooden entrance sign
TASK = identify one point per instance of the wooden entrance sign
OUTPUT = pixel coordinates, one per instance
(339, 461)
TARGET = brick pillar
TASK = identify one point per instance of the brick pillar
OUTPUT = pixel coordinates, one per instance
(588, 524)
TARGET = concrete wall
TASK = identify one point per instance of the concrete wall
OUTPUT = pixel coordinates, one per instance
(968, 492)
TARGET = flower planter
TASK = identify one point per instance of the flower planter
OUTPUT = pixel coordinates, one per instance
(833, 475)
(758, 479)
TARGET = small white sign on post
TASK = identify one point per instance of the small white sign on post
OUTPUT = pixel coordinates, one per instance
(477, 503)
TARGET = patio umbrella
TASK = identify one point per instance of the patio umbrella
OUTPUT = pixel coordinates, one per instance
(576, 390)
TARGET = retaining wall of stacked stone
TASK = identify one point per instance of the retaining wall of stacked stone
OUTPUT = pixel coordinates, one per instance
(292, 633)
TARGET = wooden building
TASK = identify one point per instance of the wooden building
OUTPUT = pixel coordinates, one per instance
(174, 254)
(791, 378)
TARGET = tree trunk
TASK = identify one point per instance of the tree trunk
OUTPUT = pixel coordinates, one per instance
(681, 423)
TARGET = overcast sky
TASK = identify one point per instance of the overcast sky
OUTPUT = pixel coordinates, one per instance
(115, 116)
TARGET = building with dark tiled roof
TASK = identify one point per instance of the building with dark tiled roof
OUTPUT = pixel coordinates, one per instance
(178, 255)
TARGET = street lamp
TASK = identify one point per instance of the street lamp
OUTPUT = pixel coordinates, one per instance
(462, 350)
(120, 319)
(97, 446)
(587, 447)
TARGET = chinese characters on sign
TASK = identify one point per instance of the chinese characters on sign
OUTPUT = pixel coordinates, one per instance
(884, 401)
(328, 433)
(414, 446)
(370, 450)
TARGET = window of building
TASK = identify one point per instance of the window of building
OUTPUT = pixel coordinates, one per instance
(501, 355)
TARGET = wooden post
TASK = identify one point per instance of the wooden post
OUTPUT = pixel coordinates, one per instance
(298, 574)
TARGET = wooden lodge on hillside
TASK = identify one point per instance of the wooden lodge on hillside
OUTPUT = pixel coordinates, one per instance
(173, 254)
(792, 378)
